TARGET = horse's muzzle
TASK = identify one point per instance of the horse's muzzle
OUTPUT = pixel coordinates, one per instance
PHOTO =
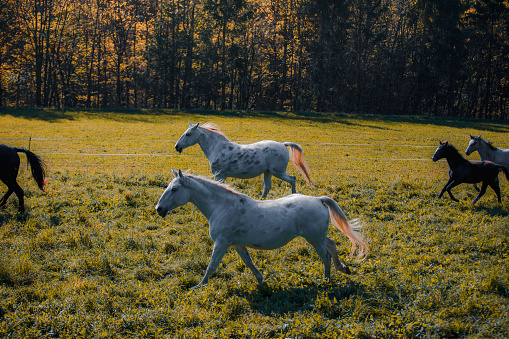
(178, 148)
(161, 211)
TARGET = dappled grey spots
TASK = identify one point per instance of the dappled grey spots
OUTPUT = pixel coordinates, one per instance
(229, 159)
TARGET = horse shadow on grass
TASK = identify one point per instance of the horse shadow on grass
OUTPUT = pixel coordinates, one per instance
(7, 215)
(272, 300)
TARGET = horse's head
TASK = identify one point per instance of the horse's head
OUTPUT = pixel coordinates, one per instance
(175, 195)
(440, 151)
(473, 145)
(189, 138)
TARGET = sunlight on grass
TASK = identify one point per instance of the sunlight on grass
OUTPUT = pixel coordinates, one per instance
(91, 258)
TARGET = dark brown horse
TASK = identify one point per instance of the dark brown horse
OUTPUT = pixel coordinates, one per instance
(463, 171)
(9, 166)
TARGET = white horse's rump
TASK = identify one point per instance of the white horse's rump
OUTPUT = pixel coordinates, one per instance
(242, 222)
(228, 159)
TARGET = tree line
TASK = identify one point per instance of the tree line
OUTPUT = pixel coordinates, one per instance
(433, 57)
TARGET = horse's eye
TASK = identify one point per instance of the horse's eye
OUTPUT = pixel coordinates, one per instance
(188, 134)
(174, 189)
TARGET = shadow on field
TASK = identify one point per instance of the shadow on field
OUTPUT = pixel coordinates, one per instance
(132, 114)
(331, 300)
(7, 215)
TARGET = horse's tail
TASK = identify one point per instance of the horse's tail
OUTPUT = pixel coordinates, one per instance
(505, 170)
(297, 157)
(340, 221)
(37, 166)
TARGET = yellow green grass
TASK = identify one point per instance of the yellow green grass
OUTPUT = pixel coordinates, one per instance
(91, 258)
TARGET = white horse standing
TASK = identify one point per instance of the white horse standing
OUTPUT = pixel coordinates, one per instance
(229, 159)
(239, 221)
(488, 152)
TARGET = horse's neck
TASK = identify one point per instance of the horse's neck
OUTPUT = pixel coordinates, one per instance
(454, 158)
(209, 197)
(486, 152)
(209, 140)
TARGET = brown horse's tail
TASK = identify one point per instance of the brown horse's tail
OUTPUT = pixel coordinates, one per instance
(37, 166)
(505, 170)
(340, 221)
(297, 158)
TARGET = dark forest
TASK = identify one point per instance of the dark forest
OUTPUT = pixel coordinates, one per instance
(426, 57)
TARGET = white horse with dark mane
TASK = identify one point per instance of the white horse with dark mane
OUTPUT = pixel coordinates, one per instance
(228, 159)
(239, 221)
(488, 152)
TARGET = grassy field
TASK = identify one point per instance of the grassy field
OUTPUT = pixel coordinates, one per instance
(91, 258)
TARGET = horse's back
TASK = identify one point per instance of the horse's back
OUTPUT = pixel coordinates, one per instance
(250, 160)
(480, 171)
(301, 208)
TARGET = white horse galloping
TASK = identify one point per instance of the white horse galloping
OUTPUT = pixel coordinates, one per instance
(487, 151)
(239, 221)
(228, 159)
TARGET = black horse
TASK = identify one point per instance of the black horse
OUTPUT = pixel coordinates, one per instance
(9, 166)
(463, 171)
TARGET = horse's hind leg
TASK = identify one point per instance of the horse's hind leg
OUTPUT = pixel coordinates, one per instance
(19, 192)
(481, 192)
(331, 246)
(6, 196)
(496, 188)
(267, 183)
(288, 178)
(246, 258)
(323, 253)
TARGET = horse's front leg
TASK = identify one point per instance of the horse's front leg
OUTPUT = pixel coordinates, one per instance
(246, 258)
(445, 187)
(217, 254)
(450, 186)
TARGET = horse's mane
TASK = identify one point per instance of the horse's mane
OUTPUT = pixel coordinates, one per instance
(209, 126)
(453, 149)
(490, 145)
(213, 182)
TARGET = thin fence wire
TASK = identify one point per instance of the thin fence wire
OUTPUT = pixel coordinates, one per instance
(30, 139)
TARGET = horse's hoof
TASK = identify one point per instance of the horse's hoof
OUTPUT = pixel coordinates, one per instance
(346, 270)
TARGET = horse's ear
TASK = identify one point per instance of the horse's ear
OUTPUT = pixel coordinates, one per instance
(175, 173)
(182, 177)
(190, 124)
(471, 136)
